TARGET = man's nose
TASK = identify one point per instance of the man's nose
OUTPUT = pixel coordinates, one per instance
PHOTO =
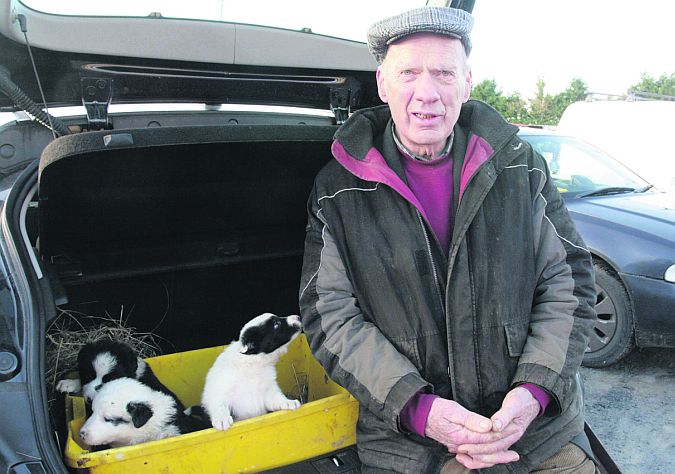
(426, 88)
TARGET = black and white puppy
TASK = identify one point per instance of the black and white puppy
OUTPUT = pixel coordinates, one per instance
(242, 383)
(103, 361)
(126, 412)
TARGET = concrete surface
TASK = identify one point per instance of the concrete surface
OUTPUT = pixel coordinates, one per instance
(631, 408)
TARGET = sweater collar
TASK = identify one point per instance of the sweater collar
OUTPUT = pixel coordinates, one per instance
(406, 151)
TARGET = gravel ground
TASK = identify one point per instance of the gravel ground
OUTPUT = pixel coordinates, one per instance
(631, 408)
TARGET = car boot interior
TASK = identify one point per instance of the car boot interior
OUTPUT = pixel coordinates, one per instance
(185, 233)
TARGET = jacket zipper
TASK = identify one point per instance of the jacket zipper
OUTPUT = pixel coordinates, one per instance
(431, 261)
(452, 254)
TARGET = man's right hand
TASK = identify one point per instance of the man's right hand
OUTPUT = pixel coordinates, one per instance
(453, 425)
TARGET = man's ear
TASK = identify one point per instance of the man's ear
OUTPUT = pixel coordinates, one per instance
(140, 413)
(379, 75)
(467, 85)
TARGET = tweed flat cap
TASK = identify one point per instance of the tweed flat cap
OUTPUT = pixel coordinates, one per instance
(447, 21)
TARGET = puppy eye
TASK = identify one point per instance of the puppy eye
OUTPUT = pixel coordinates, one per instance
(115, 421)
(277, 324)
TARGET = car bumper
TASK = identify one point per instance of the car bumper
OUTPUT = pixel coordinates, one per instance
(654, 305)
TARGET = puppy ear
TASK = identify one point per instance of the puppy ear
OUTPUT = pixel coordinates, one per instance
(140, 413)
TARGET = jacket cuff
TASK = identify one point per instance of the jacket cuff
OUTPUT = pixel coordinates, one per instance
(557, 387)
(399, 395)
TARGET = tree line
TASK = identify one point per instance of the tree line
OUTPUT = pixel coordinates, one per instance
(546, 109)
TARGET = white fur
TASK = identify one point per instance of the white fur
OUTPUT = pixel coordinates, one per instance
(69, 385)
(111, 403)
(240, 386)
(103, 364)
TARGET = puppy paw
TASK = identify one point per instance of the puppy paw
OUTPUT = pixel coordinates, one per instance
(222, 423)
(68, 386)
(289, 405)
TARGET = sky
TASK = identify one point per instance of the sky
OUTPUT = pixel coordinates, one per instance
(608, 44)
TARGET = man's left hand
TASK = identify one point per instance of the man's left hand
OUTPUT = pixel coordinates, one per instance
(518, 410)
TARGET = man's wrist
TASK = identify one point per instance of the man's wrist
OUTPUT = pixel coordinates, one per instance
(540, 394)
(415, 413)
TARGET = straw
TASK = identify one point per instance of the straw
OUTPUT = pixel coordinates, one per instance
(72, 329)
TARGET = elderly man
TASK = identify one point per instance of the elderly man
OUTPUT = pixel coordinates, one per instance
(444, 284)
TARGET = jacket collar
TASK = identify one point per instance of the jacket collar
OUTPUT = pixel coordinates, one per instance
(371, 128)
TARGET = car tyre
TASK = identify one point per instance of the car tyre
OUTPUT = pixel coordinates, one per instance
(612, 337)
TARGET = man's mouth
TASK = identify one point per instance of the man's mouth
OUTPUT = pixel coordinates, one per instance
(424, 116)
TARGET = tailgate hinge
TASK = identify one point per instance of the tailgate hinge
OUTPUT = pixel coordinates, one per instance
(96, 97)
(345, 98)
(340, 105)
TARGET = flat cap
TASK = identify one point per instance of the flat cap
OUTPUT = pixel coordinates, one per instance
(446, 21)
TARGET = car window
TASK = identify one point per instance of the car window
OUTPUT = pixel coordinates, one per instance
(578, 168)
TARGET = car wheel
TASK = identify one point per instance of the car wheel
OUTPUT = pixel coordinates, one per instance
(612, 336)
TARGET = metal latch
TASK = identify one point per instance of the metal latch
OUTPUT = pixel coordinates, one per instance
(339, 104)
(96, 97)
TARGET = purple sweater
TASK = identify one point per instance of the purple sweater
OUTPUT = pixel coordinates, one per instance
(431, 182)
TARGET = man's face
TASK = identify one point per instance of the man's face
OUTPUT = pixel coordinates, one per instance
(425, 80)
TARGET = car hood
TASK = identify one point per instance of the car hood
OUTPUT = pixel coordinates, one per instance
(651, 212)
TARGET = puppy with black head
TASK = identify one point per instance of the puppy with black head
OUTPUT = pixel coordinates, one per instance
(103, 361)
(126, 412)
(242, 383)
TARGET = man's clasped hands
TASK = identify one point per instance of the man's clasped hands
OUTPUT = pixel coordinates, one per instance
(481, 442)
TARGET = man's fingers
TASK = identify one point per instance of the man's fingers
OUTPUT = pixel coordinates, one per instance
(519, 402)
(473, 421)
(483, 461)
(503, 417)
(469, 463)
(509, 439)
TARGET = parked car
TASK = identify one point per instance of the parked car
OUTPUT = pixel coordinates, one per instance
(629, 228)
(167, 201)
(619, 127)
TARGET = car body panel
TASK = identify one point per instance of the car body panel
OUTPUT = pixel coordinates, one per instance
(653, 302)
(631, 231)
(634, 234)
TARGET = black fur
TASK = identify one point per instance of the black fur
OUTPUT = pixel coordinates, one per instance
(127, 362)
(268, 337)
(140, 413)
(127, 365)
(197, 420)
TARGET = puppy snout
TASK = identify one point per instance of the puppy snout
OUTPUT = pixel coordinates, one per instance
(294, 320)
(83, 434)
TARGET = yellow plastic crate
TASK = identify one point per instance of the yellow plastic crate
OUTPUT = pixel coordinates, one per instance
(325, 422)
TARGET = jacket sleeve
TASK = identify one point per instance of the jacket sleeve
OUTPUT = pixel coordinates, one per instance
(563, 311)
(352, 350)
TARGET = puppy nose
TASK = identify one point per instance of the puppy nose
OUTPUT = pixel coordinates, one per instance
(83, 433)
(294, 319)
(98, 387)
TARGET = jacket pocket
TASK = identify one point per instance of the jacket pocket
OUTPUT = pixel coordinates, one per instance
(516, 335)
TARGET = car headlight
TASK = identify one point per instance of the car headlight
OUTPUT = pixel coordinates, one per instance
(670, 274)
